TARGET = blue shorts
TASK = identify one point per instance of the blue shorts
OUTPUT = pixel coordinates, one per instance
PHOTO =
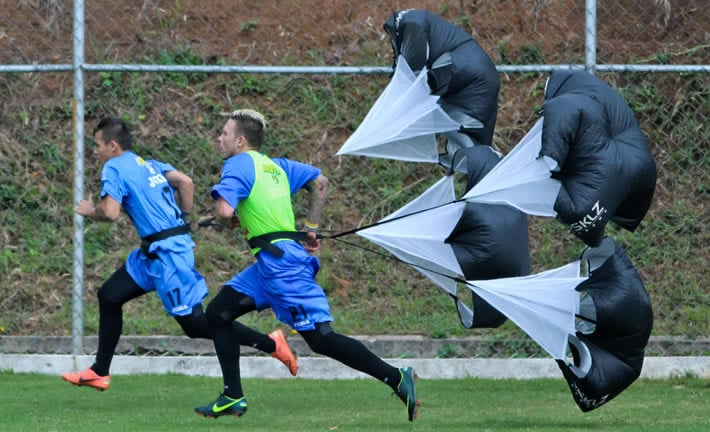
(286, 285)
(172, 276)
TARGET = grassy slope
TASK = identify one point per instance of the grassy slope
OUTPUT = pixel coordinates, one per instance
(175, 117)
(310, 118)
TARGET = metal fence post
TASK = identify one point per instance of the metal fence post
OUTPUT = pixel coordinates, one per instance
(78, 120)
(590, 35)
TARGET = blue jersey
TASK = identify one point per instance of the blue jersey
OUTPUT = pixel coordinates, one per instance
(143, 191)
(145, 194)
(238, 177)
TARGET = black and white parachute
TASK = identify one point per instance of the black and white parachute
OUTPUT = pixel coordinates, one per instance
(443, 84)
(614, 326)
(490, 241)
(603, 161)
(585, 162)
(458, 70)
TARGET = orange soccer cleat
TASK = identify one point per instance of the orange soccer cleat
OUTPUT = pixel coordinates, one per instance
(283, 352)
(88, 378)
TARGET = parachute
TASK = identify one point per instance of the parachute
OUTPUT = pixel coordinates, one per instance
(584, 162)
(603, 161)
(457, 69)
(608, 349)
(402, 123)
(490, 241)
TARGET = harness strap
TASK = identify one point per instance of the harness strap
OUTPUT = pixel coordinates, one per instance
(264, 241)
(162, 235)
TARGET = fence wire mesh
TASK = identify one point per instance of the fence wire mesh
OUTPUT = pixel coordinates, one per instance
(175, 116)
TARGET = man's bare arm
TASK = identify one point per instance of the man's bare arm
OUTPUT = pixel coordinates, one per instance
(318, 193)
(225, 214)
(185, 187)
(108, 209)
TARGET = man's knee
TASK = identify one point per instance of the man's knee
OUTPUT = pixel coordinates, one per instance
(109, 296)
(318, 339)
(217, 315)
(227, 306)
(195, 325)
(118, 289)
(220, 309)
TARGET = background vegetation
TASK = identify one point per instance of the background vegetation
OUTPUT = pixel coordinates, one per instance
(175, 117)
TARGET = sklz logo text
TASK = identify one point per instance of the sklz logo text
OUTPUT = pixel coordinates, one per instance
(586, 401)
(273, 171)
(590, 220)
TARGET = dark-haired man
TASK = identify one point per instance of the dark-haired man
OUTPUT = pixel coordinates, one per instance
(164, 263)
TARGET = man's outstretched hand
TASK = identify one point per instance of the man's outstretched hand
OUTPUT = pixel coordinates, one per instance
(312, 242)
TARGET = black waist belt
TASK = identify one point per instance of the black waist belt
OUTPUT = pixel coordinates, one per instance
(264, 241)
(162, 235)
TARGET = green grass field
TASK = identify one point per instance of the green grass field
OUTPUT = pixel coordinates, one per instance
(165, 403)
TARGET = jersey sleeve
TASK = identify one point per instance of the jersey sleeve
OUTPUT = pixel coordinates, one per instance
(111, 183)
(237, 180)
(299, 174)
(163, 167)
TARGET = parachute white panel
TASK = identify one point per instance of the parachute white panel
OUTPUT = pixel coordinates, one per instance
(439, 274)
(418, 239)
(403, 121)
(543, 305)
(521, 179)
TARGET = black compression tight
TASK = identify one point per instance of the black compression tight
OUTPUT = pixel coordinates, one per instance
(116, 291)
(229, 305)
(196, 326)
(225, 307)
(350, 352)
(121, 288)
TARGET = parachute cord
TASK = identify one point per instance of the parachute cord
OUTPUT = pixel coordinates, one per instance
(210, 222)
(382, 222)
(395, 258)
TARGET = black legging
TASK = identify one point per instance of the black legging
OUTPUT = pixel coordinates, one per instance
(229, 305)
(120, 288)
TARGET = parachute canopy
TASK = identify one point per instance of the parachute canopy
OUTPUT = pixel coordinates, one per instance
(544, 305)
(489, 241)
(604, 163)
(402, 123)
(521, 180)
(416, 234)
(457, 69)
(608, 356)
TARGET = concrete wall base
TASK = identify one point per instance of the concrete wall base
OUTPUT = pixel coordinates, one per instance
(325, 368)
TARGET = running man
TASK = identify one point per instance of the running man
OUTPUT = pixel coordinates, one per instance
(164, 263)
(258, 191)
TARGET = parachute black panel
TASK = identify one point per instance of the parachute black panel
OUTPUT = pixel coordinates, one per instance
(608, 357)
(605, 166)
(459, 71)
(490, 241)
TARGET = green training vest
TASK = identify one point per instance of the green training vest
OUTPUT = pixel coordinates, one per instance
(268, 208)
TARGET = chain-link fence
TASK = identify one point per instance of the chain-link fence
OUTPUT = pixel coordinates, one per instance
(173, 69)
